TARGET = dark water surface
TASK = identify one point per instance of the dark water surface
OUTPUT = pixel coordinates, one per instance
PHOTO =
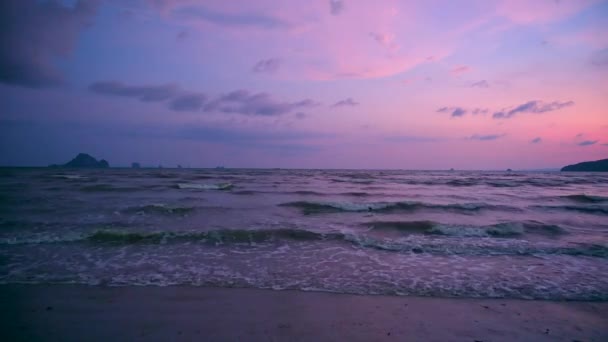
(473, 234)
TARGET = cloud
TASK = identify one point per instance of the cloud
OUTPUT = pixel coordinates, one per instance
(267, 65)
(146, 93)
(35, 34)
(481, 84)
(412, 139)
(477, 111)
(336, 7)
(457, 112)
(188, 102)
(541, 11)
(238, 101)
(487, 137)
(182, 35)
(531, 107)
(300, 115)
(262, 104)
(600, 58)
(459, 70)
(232, 19)
(385, 39)
(349, 102)
(537, 140)
(587, 143)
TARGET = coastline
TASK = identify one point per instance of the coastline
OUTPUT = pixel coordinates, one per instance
(182, 313)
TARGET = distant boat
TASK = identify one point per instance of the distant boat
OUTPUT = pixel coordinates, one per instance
(509, 170)
(452, 169)
(220, 167)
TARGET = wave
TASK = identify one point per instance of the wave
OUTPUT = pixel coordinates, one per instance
(464, 246)
(311, 207)
(506, 229)
(199, 186)
(213, 237)
(106, 188)
(589, 209)
(355, 194)
(71, 177)
(160, 208)
(582, 198)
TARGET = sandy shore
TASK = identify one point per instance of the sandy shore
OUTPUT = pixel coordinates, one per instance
(82, 313)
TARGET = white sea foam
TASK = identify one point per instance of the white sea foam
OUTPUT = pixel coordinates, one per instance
(69, 176)
(199, 186)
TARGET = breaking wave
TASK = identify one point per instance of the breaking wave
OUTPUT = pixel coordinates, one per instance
(582, 198)
(311, 207)
(469, 242)
(159, 209)
(199, 186)
(589, 209)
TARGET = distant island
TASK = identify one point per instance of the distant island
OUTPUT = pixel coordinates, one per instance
(590, 166)
(83, 160)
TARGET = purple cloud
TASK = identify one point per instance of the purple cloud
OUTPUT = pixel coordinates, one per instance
(189, 102)
(532, 107)
(587, 143)
(457, 112)
(537, 140)
(238, 101)
(267, 65)
(600, 58)
(349, 102)
(336, 7)
(477, 111)
(229, 19)
(244, 102)
(146, 93)
(481, 84)
(34, 34)
(487, 137)
(181, 35)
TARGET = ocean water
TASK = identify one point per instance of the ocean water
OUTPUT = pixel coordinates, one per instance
(455, 234)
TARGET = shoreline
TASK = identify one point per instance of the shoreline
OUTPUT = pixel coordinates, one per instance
(98, 313)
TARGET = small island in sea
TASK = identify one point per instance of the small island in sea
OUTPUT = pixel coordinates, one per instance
(83, 160)
(590, 166)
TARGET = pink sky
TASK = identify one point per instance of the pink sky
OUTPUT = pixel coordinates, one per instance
(339, 84)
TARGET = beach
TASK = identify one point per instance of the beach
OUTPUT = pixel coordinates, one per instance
(185, 313)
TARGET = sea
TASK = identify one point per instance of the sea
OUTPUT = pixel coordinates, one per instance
(475, 234)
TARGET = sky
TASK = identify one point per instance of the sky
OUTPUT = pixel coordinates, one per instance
(395, 84)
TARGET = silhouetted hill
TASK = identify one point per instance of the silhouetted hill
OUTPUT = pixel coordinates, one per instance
(84, 160)
(591, 166)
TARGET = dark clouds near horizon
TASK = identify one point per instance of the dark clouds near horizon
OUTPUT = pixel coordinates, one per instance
(238, 101)
(34, 34)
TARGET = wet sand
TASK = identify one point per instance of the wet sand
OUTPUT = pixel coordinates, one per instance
(95, 313)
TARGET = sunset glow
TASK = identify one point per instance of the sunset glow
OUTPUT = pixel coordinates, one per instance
(305, 84)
